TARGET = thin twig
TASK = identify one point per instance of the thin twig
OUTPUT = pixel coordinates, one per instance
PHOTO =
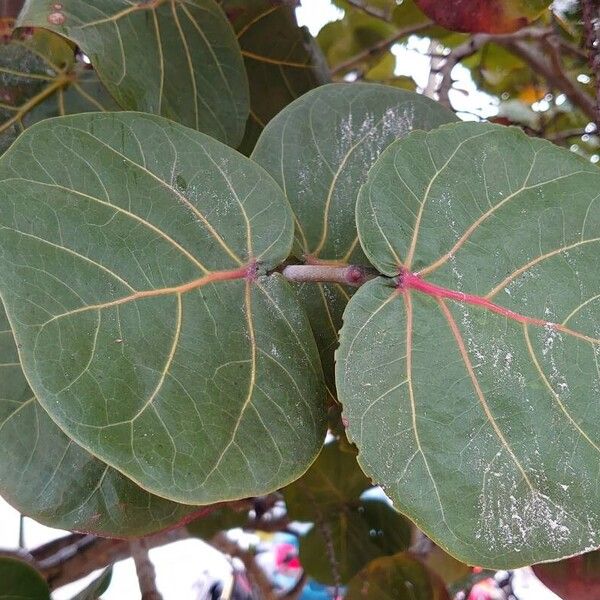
(353, 275)
(145, 570)
(378, 48)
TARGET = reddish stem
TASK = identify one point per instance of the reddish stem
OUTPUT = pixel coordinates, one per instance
(413, 281)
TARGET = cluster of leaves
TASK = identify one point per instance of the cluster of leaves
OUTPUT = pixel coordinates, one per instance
(161, 361)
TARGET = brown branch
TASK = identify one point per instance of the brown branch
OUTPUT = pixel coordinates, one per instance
(553, 72)
(591, 22)
(145, 570)
(468, 48)
(378, 48)
(98, 554)
(256, 575)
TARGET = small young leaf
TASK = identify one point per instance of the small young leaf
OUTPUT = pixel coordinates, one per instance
(470, 381)
(319, 149)
(500, 16)
(131, 268)
(48, 477)
(176, 58)
(20, 581)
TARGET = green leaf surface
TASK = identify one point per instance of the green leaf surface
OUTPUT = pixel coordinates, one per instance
(221, 519)
(20, 581)
(283, 61)
(131, 272)
(399, 577)
(334, 480)
(352, 537)
(96, 588)
(176, 58)
(319, 149)
(470, 382)
(48, 477)
(40, 78)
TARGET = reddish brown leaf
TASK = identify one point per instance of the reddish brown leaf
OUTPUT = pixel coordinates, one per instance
(576, 578)
(487, 16)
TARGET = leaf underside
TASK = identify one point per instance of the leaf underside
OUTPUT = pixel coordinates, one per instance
(48, 477)
(127, 270)
(176, 58)
(471, 389)
(319, 149)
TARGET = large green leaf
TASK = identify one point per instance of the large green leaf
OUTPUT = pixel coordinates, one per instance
(48, 477)
(176, 58)
(319, 149)
(131, 267)
(40, 78)
(470, 382)
(399, 577)
(283, 61)
(20, 581)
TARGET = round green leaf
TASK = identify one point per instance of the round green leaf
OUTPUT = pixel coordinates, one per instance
(48, 477)
(319, 149)
(283, 61)
(351, 538)
(399, 577)
(131, 263)
(176, 58)
(19, 581)
(333, 481)
(470, 381)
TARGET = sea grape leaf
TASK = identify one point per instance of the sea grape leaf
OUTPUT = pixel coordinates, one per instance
(502, 16)
(399, 577)
(352, 537)
(333, 481)
(221, 519)
(48, 477)
(40, 78)
(283, 61)
(469, 382)
(176, 58)
(133, 254)
(319, 149)
(95, 588)
(575, 578)
(20, 581)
